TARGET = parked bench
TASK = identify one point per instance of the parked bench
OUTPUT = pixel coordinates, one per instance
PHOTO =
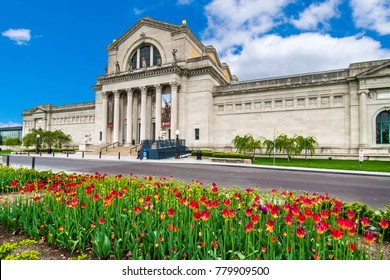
(232, 160)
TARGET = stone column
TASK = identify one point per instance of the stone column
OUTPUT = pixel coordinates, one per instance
(138, 59)
(129, 116)
(117, 95)
(151, 56)
(363, 117)
(158, 110)
(104, 116)
(174, 87)
(135, 118)
(143, 113)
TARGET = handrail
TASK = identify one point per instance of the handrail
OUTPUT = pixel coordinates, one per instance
(109, 145)
(135, 147)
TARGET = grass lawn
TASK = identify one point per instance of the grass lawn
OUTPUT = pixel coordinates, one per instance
(5, 152)
(379, 166)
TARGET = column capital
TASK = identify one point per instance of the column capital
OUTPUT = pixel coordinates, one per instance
(105, 94)
(363, 91)
(129, 90)
(117, 93)
(158, 87)
(143, 89)
(174, 85)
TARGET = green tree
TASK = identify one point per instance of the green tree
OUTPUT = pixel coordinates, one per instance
(239, 143)
(11, 141)
(62, 138)
(308, 144)
(48, 138)
(247, 144)
(30, 139)
(285, 144)
(269, 146)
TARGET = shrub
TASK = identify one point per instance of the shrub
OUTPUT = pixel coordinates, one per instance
(6, 250)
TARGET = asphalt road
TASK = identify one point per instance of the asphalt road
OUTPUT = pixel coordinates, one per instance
(371, 190)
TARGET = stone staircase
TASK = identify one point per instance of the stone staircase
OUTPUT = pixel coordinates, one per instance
(114, 150)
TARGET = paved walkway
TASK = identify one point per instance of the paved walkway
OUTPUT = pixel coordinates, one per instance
(206, 161)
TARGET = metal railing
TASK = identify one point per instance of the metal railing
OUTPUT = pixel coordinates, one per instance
(135, 148)
(109, 145)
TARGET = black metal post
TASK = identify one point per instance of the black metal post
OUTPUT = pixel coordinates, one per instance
(82, 154)
(100, 154)
(37, 150)
(33, 163)
(67, 153)
(7, 160)
(177, 147)
(119, 155)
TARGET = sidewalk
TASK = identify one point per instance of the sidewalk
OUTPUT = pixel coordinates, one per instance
(204, 161)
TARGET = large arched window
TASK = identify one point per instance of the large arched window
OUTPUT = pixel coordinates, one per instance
(146, 55)
(382, 128)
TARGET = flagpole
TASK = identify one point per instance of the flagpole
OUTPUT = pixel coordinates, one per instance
(274, 145)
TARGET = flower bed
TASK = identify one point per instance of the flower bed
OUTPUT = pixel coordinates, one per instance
(126, 217)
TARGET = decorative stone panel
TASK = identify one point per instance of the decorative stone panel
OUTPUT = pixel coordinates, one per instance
(301, 103)
(278, 104)
(338, 100)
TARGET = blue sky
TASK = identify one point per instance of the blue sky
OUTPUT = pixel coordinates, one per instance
(52, 51)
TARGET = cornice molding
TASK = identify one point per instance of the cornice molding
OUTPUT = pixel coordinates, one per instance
(254, 89)
(156, 72)
(144, 21)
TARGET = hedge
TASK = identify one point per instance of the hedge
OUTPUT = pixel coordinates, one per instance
(208, 153)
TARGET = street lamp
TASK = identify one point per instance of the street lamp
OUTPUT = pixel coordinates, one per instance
(38, 136)
(177, 144)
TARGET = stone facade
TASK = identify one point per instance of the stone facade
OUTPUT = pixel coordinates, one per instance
(156, 61)
(77, 120)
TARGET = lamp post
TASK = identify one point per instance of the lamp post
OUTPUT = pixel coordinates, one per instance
(38, 136)
(177, 153)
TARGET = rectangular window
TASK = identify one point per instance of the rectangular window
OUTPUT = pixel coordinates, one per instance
(196, 133)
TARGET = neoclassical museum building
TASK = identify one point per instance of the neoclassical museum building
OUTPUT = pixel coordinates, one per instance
(160, 80)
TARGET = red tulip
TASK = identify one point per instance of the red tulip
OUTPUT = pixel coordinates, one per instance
(384, 223)
(137, 209)
(255, 218)
(197, 216)
(194, 205)
(248, 227)
(225, 213)
(316, 218)
(369, 237)
(205, 215)
(301, 233)
(171, 212)
(269, 226)
(365, 221)
(325, 214)
(336, 233)
(351, 214)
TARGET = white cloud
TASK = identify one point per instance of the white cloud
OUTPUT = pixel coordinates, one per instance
(184, 2)
(273, 55)
(231, 22)
(317, 14)
(9, 124)
(241, 31)
(372, 15)
(20, 36)
(138, 11)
